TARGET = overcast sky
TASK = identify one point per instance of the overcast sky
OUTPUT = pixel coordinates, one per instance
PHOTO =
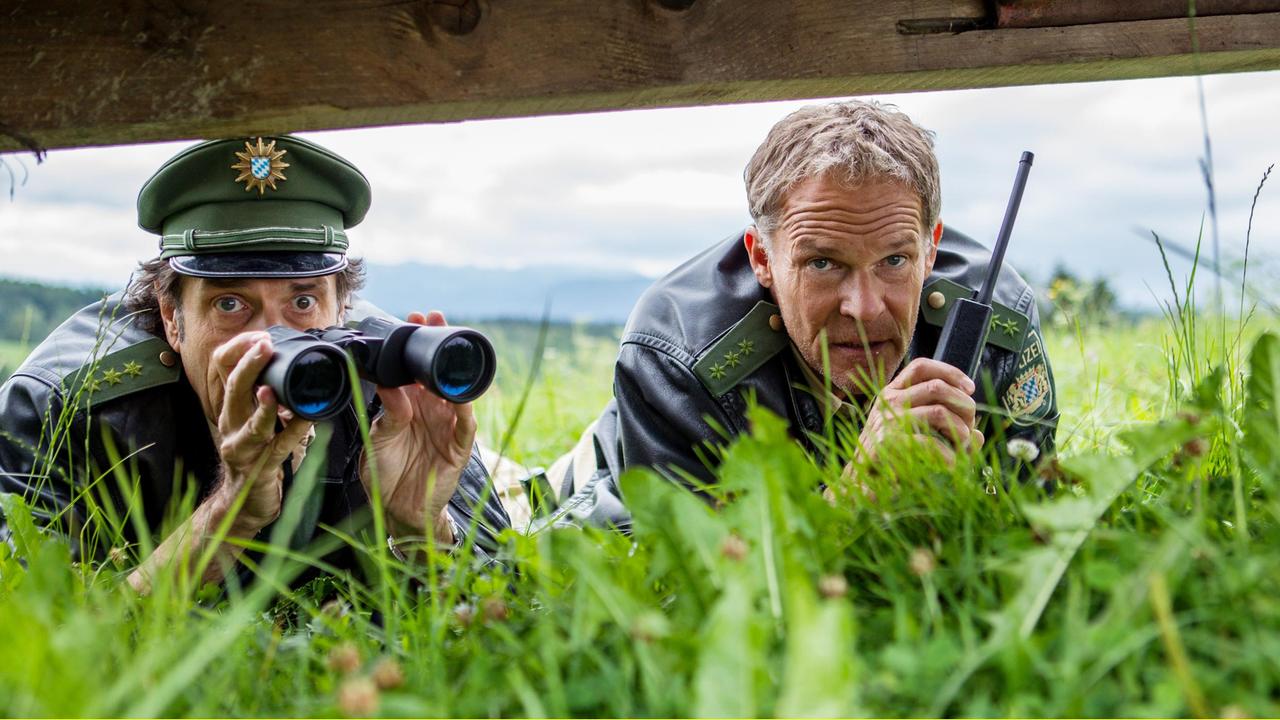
(643, 190)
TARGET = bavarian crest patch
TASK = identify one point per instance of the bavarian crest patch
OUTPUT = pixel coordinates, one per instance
(1030, 395)
(260, 167)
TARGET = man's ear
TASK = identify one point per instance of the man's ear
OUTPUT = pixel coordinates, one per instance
(170, 318)
(758, 256)
(935, 238)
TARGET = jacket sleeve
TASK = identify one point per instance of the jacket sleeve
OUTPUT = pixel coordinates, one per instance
(476, 507)
(661, 418)
(666, 418)
(36, 457)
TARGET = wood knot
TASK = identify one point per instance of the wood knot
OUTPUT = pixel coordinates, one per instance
(164, 27)
(456, 17)
(677, 5)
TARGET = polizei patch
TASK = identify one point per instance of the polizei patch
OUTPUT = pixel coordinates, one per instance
(1030, 395)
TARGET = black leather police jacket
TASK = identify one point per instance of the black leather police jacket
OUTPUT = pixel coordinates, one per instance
(96, 409)
(666, 412)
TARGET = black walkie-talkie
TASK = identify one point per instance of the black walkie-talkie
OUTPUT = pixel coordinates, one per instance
(965, 331)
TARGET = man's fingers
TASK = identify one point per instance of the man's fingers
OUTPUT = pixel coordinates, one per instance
(238, 395)
(922, 369)
(244, 442)
(435, 318)
(464, 431)
(941, 420)
(228, 354)
(976, 440)
(262, 423)
(222, 362)
(435, 412)
(938, 392)
(288, 440)
(946, 451)
(397, 409)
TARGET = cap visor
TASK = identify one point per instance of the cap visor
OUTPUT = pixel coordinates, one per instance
(259, 264)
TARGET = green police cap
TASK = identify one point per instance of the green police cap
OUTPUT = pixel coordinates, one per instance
(262, 207)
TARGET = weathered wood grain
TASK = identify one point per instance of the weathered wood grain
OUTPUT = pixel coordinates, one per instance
(118, 71)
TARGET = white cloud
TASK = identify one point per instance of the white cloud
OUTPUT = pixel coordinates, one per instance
(73, 243)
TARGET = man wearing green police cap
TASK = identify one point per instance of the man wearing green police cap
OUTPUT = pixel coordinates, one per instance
(149, 398)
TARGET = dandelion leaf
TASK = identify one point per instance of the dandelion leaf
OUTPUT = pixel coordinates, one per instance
(819, 676)
(678, 527)
(1261, 446)
(730, 659)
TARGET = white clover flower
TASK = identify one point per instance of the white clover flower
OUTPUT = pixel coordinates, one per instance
(1023, 450)
(833, 586)
(922, 562)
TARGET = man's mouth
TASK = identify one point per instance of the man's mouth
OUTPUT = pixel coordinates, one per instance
(861, 350)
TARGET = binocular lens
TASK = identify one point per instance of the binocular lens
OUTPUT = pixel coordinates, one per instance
(313, 378)
(309, 370)
(460, 364)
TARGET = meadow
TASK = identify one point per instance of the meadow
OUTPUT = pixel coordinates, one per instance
(11, 355)
(1137, 574)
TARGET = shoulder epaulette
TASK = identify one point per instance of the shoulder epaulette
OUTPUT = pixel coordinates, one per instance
(1008, 326)
(742, 349)
(140, 366)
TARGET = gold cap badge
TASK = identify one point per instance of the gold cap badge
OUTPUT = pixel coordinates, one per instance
(260, 166)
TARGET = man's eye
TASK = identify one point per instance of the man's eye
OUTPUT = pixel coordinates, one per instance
(821, 264)
(304, 302)
(228, 304)
(896, 260)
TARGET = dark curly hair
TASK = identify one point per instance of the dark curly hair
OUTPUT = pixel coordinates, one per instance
(156, 279)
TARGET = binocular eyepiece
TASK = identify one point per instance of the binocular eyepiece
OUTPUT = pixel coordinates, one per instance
(308, 372)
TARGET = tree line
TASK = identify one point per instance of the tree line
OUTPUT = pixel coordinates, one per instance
(29, 311)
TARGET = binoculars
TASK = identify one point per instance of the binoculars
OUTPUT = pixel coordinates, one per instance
(308, 372)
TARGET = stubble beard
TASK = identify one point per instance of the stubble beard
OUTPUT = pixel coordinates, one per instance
(861, 381)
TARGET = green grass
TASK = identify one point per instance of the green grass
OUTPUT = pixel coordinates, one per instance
(11, 355)
(1147, 584)
(574, 381)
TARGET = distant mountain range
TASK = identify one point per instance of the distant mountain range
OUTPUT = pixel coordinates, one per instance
(470, 293)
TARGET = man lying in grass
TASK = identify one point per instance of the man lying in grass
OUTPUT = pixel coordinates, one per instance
(146, 405)
(827, 311)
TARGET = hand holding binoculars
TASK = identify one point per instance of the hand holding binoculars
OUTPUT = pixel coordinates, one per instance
(308, 372)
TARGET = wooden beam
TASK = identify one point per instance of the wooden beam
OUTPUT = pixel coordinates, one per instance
(121, 71)
(1057, 13)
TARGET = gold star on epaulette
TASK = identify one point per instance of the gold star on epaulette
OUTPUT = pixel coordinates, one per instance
(732, 358)
(111, 376)
(133, 369)
(94, 385)
(717, 372)
(746, 347)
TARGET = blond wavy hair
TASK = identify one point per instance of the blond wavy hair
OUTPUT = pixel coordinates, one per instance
(853, 141)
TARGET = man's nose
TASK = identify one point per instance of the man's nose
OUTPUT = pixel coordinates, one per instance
(862, 299)
(266, 318)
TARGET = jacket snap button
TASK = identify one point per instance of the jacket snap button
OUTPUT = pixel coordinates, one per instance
(775, 322)
(937, 300)
(168, 358)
